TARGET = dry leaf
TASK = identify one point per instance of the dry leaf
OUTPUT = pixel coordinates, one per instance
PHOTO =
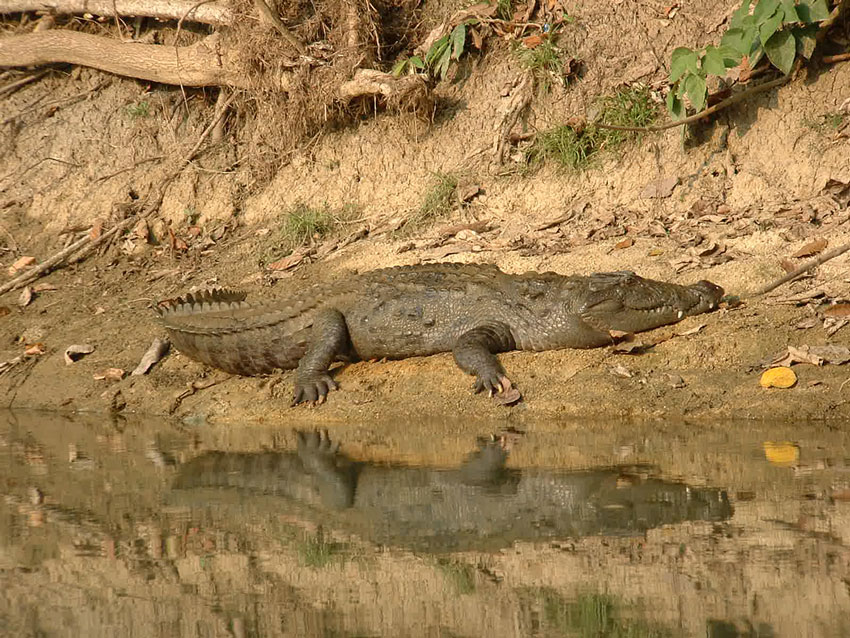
(96, 230)
(660, 188)
(783, 453)
(625, 243)
(110, 374)
(838, 310)
(287, 262)
(812, 248)
(691, 331)
(805, 324)
(621, 335)
(34, 349)
(4, 310)
(787, 265)
(77, 351)
(25, 297)
(465, 192)
(831, 353)
(655, 252)
(675, 380)
(44, 287)
(814, 355)
(632, 347)
(532, 41)
(20, 264)
(834, 324)
(154, 353)
(621, 371)
(781, 377)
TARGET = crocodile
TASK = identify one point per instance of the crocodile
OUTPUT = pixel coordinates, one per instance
(481, 505)
(473, 311)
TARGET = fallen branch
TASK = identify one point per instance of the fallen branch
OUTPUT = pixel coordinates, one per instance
(83, 245)
(205, 63)
(809, 265)
(213, 13)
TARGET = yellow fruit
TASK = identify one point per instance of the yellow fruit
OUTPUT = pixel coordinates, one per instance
(780, 377)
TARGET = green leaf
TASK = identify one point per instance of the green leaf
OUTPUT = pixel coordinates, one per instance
(739, 39)
(398, 67)
(675, 106)
(812, 10)
(712, 61)
(444, 63)
(790, 11)
(458, 40)
(436, 50)
(806, 39)
(781, 50)
(695, 88)
(764, 10)
(769, 26)
(742, 12)
(681, 61)
(755, 56)
(731, 58)
(417, 62)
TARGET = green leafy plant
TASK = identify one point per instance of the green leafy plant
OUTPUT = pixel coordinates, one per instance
(779, 29)
(408, 66)
(449, 47)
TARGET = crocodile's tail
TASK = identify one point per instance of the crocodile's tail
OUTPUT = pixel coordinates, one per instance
(219, 328)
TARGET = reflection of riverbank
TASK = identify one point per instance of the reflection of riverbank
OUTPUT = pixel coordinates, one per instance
(87, 547)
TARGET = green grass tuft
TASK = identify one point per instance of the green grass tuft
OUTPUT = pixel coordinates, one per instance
(575, 148)
(544, 61)
(139, 109)
(438, 202)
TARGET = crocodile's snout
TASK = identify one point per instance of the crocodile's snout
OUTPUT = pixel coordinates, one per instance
(710, 293)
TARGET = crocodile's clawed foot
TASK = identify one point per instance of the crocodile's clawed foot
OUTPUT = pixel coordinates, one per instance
(498, 386)
(313, 389)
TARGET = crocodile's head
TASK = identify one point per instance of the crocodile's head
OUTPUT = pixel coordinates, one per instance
(708, 297)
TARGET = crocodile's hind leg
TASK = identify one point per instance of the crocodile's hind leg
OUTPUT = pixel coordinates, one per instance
(474, 354)
(328, 340)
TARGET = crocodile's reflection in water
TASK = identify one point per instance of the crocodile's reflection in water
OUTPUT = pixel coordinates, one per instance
(480, 505)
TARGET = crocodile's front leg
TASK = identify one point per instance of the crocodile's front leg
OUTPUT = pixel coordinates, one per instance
(328, 339)
(473, 353)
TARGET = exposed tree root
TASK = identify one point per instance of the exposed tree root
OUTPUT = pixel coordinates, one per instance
(214, 13)
(205, 63)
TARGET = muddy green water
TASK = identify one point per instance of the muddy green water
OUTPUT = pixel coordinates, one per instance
(143, 527)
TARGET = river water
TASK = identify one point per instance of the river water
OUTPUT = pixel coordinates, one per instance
(145, 527)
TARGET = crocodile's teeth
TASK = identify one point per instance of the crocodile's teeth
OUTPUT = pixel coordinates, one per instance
(681, 314)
